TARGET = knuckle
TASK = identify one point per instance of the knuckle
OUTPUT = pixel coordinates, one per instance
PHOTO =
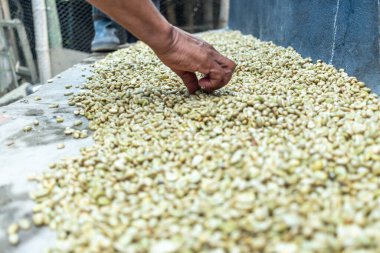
(232, 64)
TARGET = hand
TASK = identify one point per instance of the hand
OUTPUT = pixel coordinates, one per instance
(180, 51)
(186, 54)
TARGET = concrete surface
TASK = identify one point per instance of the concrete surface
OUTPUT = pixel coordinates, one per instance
(14, 95)
(23, 154)
(342, 32)
(63, 58)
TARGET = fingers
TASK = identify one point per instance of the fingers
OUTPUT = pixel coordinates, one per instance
(213, 80)
(224, 61)
(219, 75)
(190, 55)
(227, 65)
(228, 72)
(190, 80)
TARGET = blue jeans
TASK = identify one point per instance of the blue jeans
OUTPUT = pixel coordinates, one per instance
(108, 23)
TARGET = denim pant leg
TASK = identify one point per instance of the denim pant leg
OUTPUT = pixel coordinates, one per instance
(109, 23)
(130, 37)
(105, 38)
(99, 15)
(156, 3)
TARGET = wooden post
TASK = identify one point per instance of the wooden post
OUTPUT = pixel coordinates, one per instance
(5, 8)
(42, 40)
(54, 28)
(12, 36)
(1, 11)
(189, 14)
(171, 12)
(224, 12)
(208, 15)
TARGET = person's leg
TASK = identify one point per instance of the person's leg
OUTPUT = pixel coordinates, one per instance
(130, 37)
(156, 3)
(105, 38)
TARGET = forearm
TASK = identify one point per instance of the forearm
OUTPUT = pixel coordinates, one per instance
(180, 51)
(141, 18)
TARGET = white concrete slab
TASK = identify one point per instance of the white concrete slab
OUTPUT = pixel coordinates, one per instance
(27, 153)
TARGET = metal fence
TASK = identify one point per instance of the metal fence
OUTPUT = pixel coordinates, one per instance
(76, 24)
(75, 19)
(192, 15)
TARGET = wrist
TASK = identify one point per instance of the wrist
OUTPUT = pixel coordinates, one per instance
(164, 40)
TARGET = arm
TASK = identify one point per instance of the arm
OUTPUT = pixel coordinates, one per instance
(180, 51)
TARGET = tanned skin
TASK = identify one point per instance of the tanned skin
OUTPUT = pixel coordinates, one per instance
(182, 52)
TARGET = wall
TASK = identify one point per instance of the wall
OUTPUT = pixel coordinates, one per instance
(342, 32)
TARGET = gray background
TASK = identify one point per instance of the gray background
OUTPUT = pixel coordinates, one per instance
(342, 32)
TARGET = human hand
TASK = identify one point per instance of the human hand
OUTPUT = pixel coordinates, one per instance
(187, 54)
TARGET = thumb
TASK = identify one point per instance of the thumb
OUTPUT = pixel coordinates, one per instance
(190, 80)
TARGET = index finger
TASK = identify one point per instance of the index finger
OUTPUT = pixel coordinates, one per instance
(228, 67)
(225, 62)
(213, 80)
